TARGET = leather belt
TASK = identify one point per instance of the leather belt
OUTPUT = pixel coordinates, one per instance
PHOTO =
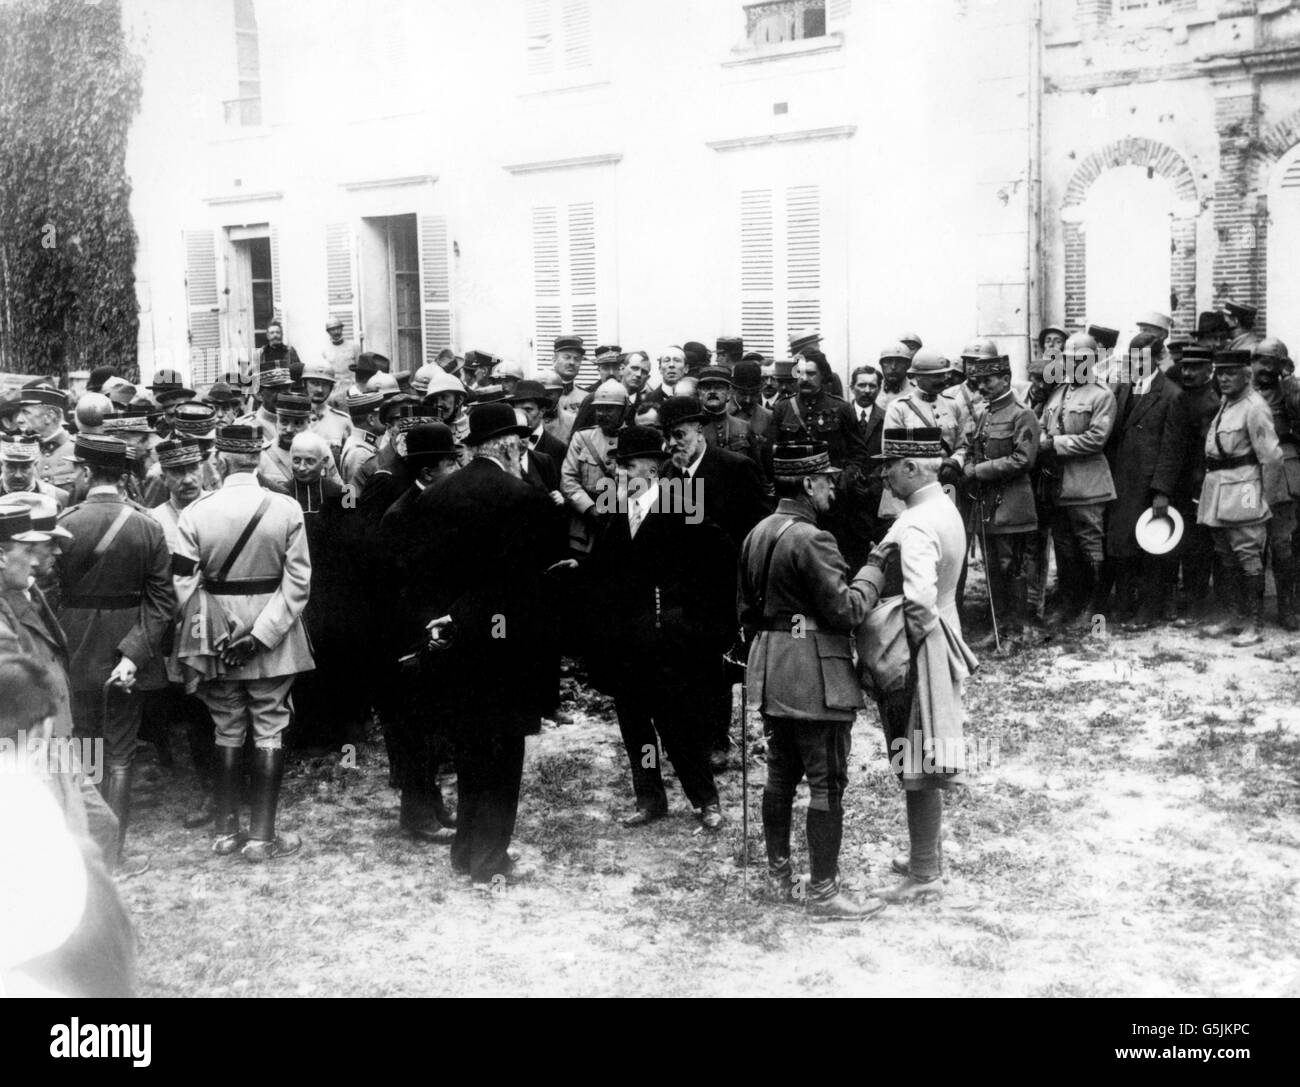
(785, 623)
(255, 587)
(1217, 464)
(102, 603)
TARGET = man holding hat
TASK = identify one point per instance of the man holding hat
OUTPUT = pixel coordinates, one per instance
(1076, 424)
(44, 408)
(1244, 482)
(569, 353)
(798, 611)
(588, 470)
(117, 603)
(1281, 392)
(1003, 451)
(663, 610)
(245, 549)
(330, 423)
(19, 463)
(1240, 319)
(488, 611)
(922, 715)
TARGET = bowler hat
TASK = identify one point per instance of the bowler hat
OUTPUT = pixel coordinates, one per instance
(679, 409)
(1244, 313)
(221, 394)
(747, 376)
(1211, 324)
(731, 346)
(371, 362)
(640, 441)
(534, 391)
(100, 451)
(490, 421)
(1105, 337)
(428, 443)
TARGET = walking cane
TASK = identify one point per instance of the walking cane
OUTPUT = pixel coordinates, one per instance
(744, 773)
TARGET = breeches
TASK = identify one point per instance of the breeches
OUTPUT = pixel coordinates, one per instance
(237, 705)
(1080, 531)
(818, 750)
(1242, 547)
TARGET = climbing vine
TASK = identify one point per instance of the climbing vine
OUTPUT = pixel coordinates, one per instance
(69, 89)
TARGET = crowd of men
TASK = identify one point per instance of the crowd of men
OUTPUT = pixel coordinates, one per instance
(346, 541)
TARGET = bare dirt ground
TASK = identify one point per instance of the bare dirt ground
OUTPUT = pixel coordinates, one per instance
(1134, 831)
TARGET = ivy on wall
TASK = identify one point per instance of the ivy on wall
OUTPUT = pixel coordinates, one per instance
(69, 89)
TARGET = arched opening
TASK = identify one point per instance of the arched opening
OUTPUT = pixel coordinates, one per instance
(1128, 221)
(1283, 245)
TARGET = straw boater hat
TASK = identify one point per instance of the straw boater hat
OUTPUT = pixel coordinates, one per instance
(44, 512)
(1159, 535)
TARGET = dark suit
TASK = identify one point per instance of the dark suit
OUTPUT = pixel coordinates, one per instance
(861, 492)
(543, 471)
(550, 445)
(489, 532)
(730, 488)
(662, 613)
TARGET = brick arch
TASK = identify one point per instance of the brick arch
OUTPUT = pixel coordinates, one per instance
(1260, 158)
(1163, 160)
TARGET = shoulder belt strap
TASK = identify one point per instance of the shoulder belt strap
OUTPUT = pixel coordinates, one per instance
(767, 566)
(244, 537)
(106, 541)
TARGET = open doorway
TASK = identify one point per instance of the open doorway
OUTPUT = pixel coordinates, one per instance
(251, 290)
(389, 254)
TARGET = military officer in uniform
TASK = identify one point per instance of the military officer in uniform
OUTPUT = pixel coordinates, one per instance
(1240, 320)
(19, 466)
(589, 470)
(1002, 455)
(798, 611)
(117, 602)
(567, 361)
(244, 549)
(1244, 482)
(293, 416)
(922, 719)
(895, 360)
(44, 407)
(927, 406)
(361, 445)
(815, 415)
(272, 380)
(1282, 395)
(721, 428)
(330, 423)
(1076, 424)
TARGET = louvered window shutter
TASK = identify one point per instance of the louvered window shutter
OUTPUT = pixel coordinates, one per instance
(757, 272)
(576, 18)
(435, 285)
(541, 38)
(340, 277)
(780, 266)
(837, 14)
(564, 281)
(803, 259)
(276, 295)
(201, 301)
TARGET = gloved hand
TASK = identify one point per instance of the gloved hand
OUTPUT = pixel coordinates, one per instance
(950, 473)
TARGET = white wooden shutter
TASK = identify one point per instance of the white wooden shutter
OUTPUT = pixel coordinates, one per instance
(780, 266)
(202, 307)
(576, 20)
(757, 272)
(340, 277)
(565, 289)
(276, 295)
(435, 285)
(803, 259)
(837, 14)
(540, 38)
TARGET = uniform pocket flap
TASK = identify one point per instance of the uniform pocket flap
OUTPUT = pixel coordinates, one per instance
(833, 645)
